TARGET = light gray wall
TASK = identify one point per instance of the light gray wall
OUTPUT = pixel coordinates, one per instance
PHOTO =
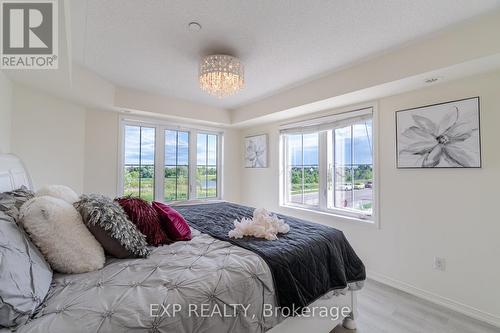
(101, 152)
(48, 134)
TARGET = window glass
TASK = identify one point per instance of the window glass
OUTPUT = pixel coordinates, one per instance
(139, 162)
(303, 169)
(206, 168)
(176, 165)
(342, 152)
(178, 149)
(353, 167)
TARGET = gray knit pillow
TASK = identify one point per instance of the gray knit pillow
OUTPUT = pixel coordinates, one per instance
(109, 224)
(11, 202)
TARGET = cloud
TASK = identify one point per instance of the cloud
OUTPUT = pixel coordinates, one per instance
(307, 145)
(140, 147)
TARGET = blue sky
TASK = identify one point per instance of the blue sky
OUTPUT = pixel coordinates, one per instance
(134, 138)
(171, 139)
(362, 146)
(133, 145)
(202, 158)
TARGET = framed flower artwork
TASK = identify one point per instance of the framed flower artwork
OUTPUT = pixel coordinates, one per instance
(256, 151)
(444, 135)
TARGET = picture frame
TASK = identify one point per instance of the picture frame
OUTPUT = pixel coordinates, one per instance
(442, 135)
(256, 151)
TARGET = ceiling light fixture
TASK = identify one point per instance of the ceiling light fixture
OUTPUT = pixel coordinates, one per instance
(221, 75)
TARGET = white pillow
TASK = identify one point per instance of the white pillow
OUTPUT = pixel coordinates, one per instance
(58, 191)
(56, 227)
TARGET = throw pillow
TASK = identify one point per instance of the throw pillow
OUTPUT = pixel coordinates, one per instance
(11, 201)
(56, 227)
(172, 222)
(109, 224)
(25, 276)
(145, 218)
(58, 191)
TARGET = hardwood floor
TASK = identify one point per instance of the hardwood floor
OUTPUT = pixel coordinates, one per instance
(383, 309)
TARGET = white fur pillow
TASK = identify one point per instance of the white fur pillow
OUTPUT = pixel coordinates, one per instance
(58, 191)
(56, 227)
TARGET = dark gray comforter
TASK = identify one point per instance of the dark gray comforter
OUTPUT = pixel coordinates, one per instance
(306, 263)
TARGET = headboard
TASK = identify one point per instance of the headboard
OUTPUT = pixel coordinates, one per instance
(13, 174)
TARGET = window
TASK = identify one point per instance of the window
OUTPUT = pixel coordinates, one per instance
(176, 165)
(168, 164)
(206, 166)
(303, 169)
(328, 164)
(352, 167)
(139, 162)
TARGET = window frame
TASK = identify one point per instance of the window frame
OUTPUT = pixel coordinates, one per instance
(141, 126)
(323, 158)
(206, 165)
(160, 127)
(287, 181)
(177, 161)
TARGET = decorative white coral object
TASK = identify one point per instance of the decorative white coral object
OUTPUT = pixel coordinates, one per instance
(262, 225)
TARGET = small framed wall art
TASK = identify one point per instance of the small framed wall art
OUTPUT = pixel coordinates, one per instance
(256, 151)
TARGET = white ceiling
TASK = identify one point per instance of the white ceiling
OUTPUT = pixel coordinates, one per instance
(146, 44)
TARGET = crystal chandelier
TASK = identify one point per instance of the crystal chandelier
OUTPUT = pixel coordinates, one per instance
(221, 75)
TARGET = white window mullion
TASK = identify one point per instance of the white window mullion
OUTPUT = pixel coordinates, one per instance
(287, 194)
(352, 164)
(192, 163)
(302, 163)
(323, 170)
(159, 187)
(220, 163)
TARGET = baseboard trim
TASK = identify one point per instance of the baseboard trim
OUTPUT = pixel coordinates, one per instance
(436, 299)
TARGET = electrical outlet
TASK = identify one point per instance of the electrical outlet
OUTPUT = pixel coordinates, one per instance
(440, 264)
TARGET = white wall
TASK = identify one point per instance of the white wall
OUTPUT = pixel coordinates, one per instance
(449, 213)
(48, 134)
(63, 143)
(5, 113)
(101, 152)
(174, 108)
(231, 166)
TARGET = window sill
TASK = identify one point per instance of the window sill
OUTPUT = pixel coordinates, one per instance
(369, 220)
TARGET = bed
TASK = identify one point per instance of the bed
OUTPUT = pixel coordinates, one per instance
(205, 285)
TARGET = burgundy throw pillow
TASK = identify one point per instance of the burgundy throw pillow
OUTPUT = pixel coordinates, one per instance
(145, 218)
(172, 222)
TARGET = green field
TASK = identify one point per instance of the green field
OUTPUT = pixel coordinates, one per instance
(309, 177)
(176, 182)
